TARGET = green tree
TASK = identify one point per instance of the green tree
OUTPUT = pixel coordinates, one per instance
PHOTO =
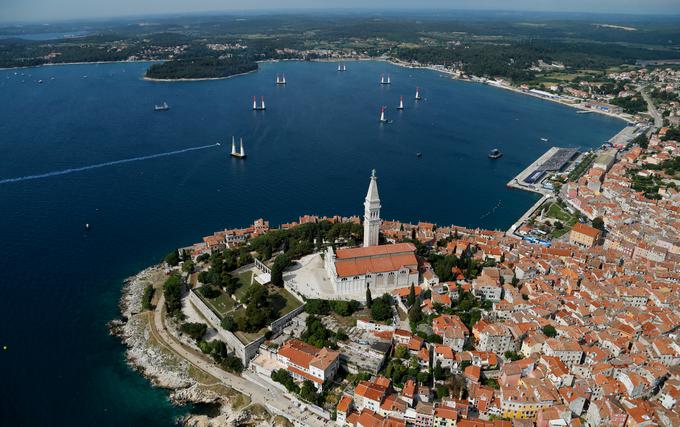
(280, 264)
(411, 295)
(598, 223)
(172, 291)
(188, 266)
(381, 308)
(228, 323)
(549, 331)
(415, 314)
(172, 259)
(194, 330)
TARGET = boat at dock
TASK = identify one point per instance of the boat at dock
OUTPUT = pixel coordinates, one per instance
(163, 107)
(401, 103)
(260, 107)
(240, 154)
(495, 154)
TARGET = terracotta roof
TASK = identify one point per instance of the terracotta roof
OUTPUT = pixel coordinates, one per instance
(586, 229)
(343, 406)
(378, 264)
(371, 251)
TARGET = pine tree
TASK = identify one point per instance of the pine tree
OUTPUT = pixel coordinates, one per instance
(411, 296)
(369, 300)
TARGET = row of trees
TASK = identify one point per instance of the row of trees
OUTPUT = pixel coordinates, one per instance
(324, 307)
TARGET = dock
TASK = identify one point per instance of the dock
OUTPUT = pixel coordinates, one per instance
(518, 181)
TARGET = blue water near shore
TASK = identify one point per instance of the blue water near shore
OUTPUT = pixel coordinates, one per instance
(310, 152)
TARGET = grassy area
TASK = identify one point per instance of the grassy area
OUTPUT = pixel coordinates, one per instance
(291, 302)
(557, 212)
(246, 280)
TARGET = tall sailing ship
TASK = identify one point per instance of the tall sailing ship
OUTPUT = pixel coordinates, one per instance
(241, 154)
(385, 81)
(281, 80)
(260, 107)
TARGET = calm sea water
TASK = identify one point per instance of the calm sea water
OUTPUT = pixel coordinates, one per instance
(310, 152)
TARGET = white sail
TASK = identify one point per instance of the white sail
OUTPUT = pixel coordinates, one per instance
(382, 115)
(233, 146)
(283, 79)
(388, 79)
(254, 103)
(417, 93)
(262, 103)
(243, 152)
(401, 103)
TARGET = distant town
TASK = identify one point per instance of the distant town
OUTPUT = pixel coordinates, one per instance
(568, 318)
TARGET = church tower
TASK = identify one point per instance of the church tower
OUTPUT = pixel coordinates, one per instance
(372, 213)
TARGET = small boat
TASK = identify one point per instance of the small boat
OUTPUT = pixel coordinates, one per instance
(495, 154)
(544, 139)
(418, 97)
(40, 82)
(241, 154)
(87, 226)
(281, 80)
(163, 107)
(383, 119)
(260, 107)
(401, 103)
(419, 155)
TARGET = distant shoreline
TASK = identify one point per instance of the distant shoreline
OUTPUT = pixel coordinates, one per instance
(395, 62)
(198, 79)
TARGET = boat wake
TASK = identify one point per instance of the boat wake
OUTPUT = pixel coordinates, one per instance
(101, 165)
(492, 211)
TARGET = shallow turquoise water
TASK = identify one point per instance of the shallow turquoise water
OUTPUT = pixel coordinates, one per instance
(310, 152)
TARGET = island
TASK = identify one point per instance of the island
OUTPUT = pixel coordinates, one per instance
(202, 68)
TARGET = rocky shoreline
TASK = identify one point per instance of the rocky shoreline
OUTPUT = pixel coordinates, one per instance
(165, 369)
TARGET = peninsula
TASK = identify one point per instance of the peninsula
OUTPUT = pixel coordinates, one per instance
(353, 321)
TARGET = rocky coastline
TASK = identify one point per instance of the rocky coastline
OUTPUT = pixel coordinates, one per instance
(163, 368)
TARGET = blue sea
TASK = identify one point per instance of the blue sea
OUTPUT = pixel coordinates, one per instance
(311, 151)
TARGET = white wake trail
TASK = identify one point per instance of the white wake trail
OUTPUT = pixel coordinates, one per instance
(101, 165)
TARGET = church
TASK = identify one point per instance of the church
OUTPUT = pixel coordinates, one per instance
(382, 268)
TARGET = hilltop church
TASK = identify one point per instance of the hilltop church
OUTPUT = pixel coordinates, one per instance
(382, 268)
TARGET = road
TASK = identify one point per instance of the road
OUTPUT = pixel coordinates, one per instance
(658, 120)
(271, 396)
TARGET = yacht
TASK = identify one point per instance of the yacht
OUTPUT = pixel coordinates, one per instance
(495, 154)
(163, 107)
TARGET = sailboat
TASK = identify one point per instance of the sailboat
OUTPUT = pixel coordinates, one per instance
(241, 154)
(383, 119)
(261, 107)
(342, 67)
(281, 80)
(384, 81)
(418, 97)
(401, 103)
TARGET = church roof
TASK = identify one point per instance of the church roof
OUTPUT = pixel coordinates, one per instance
(374, 259)
(371, 251)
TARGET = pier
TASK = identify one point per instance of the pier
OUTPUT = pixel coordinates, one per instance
(518, 181)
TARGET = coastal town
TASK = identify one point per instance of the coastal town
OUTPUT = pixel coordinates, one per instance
(568, 318)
